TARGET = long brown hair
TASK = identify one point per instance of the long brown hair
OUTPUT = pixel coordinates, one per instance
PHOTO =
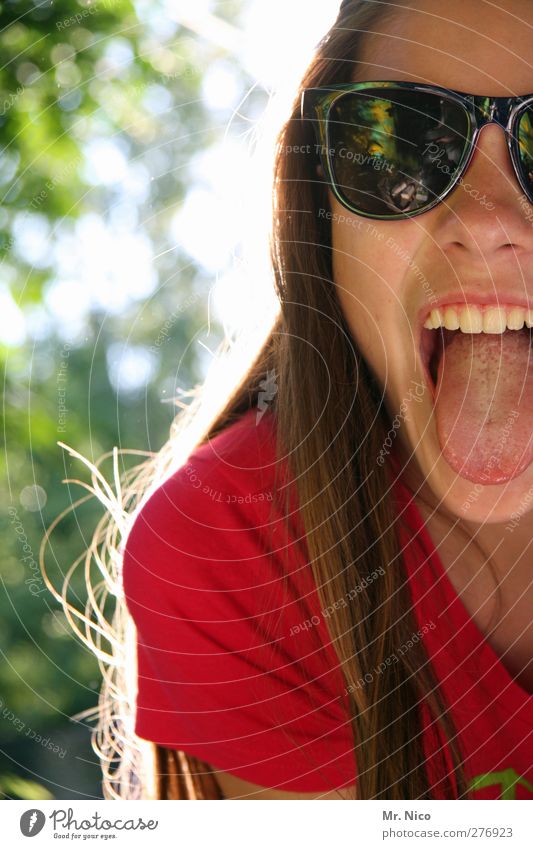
(345, 499)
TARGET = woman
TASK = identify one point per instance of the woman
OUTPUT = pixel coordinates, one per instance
(332, 592)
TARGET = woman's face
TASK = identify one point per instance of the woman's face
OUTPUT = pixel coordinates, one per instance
(474, 248)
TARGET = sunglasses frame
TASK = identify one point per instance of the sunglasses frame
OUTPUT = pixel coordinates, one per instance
(480, 109)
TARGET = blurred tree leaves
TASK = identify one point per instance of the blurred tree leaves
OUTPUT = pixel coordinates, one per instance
(101, 114)
(14, 787)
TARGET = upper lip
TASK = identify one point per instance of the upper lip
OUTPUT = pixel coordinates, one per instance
(464, 298)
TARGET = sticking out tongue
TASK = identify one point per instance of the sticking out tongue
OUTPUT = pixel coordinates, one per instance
(484, 405)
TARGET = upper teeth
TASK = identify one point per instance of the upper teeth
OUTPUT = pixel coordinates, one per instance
(471, 318)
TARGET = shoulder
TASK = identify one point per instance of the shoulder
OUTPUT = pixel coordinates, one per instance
(243, 453)
(237, 466)
(215, 508)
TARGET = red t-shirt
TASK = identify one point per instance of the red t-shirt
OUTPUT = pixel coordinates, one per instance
(235, 664)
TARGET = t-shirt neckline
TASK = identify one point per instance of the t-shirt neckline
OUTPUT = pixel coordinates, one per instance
(494, 672)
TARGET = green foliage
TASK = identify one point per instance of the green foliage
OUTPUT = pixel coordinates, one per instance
(15, 787)
(101, 114)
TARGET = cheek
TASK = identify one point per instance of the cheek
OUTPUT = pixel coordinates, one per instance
(364, 252)
(367, 284)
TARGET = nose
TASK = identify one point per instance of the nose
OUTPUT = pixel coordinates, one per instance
(487, 215)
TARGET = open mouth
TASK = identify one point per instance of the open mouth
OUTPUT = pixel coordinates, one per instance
(433, 345)
(449, 320)
(479, 369)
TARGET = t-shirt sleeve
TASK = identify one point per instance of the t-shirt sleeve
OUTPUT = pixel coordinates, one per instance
(234, 661)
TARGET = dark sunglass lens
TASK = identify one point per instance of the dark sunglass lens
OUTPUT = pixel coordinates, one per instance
(395, 151)
(525, 146)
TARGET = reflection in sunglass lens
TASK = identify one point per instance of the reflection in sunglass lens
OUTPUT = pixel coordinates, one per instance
(395, 151)
(525, 145)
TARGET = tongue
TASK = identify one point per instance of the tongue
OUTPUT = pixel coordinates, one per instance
(484, 405)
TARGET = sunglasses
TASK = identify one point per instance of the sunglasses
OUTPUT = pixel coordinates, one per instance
(393, 150)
